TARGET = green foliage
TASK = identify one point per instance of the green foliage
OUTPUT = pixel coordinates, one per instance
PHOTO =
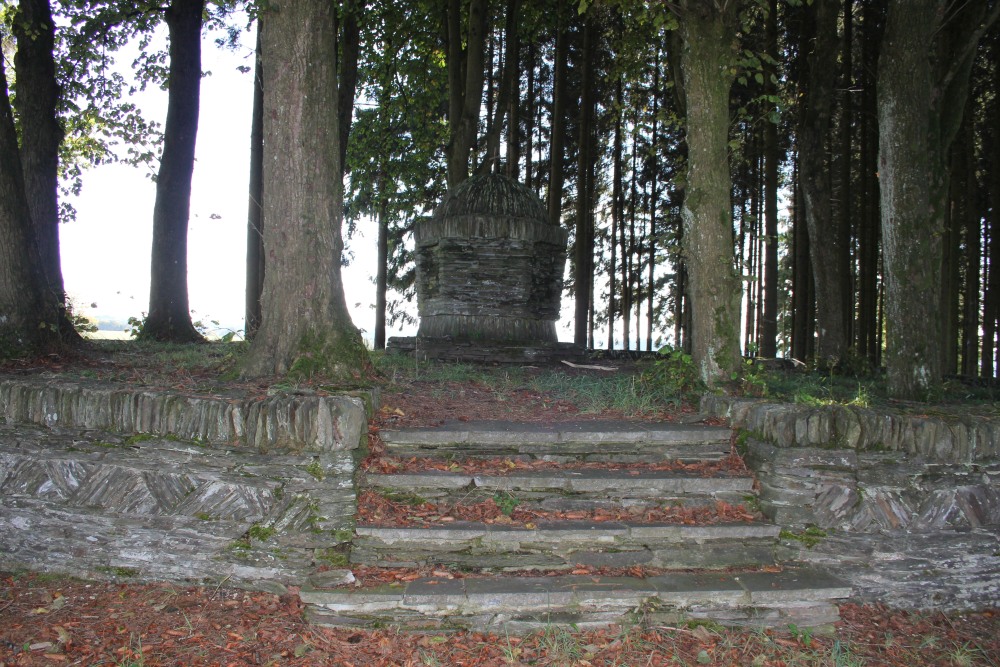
(674, 372)
(81, 323)
(506, 501)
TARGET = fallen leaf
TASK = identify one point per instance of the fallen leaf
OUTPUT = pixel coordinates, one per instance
(63, 635)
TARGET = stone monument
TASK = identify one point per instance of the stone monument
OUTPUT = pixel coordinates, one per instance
(489, 276)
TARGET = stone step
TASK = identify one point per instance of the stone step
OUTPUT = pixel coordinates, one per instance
(570, 441)
(567, 488)
(808, 598)
(565, 544)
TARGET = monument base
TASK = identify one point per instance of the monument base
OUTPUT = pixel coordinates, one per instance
(485, 351)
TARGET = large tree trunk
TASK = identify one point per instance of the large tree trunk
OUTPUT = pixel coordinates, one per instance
(347, 66)
(706, 61)
(255, 212)
(169, 317)
(31, 319)
(41, 134)
(920, 111)
(817, 186)
(306, 328)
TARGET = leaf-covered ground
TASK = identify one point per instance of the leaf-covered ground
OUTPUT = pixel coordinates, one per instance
(47, 620)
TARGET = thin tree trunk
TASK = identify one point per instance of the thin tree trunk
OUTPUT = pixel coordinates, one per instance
(584, 243)
(557, 125)
(768, 342)
(169, 317)
(653, 200)
(802, 292)
(616, 211)
(817, 186)
(868, 234)
(512, 80)
(382, 267)
(846, 210)
(991, 299)
(529, 122)
(255, 217)
(971, 215)
(467, 87)
(41, 134)
(508, 93)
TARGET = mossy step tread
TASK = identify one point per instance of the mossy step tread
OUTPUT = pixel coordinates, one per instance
(570, 441)
(578, 432)
(568, 480)
(806, 595)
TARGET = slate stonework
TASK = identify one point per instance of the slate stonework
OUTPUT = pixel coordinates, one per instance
(100, 480)
(909, 505)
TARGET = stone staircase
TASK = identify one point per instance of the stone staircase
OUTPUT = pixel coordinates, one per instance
(528, 575)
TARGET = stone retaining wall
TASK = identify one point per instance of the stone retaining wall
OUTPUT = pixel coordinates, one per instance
(152, 484)
(907, 508)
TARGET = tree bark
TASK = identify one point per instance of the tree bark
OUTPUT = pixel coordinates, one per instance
(768, 341)
(616, 212)
(507, 97)
(381, 269)
(583, 265)
(868, 232)
(465, 77)
(169, 317)
(557, 124)
(923, 83)
(255, 217)
(706, 62)
(306, 329)
(347, 66)
(31, 318)
(817, 186)
(41, 134)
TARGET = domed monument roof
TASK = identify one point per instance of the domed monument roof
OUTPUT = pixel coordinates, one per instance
(492, 195)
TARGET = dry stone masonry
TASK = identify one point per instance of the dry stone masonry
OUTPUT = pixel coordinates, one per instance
(906, 508)
(160, 485)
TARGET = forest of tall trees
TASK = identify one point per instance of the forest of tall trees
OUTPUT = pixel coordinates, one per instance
(815, 180)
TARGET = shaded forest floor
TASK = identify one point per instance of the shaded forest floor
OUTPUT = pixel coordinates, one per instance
(47, 619)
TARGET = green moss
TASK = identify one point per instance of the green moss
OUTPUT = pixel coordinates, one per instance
(343, 535)
(405, 498)
(204, 516)
(332, 557)
(316, 470)
(123, 572)
(260, 532)
(809, 537)
(335, 353)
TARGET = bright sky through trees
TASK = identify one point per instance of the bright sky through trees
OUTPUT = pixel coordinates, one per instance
(106, 250)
